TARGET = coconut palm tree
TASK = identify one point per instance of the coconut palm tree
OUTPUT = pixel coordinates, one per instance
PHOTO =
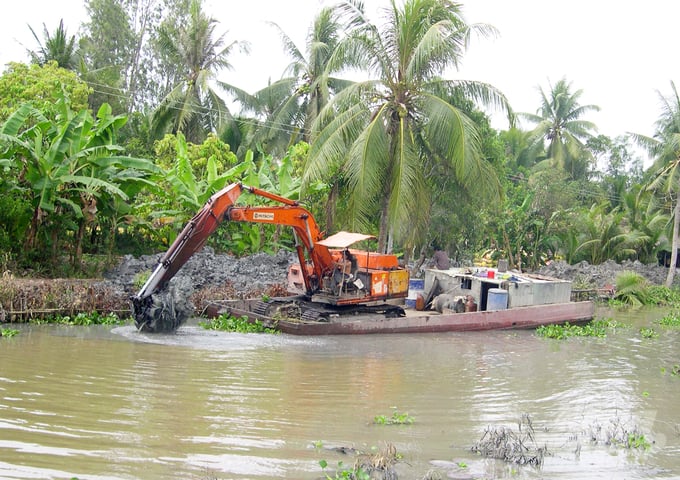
(664, 146)
(294, 102)
(651, 220)
(385, 133)
(57, 47)
(193, 106)
(560, 129)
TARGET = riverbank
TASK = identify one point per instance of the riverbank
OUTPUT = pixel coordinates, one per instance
(210, 276)
(584, 275)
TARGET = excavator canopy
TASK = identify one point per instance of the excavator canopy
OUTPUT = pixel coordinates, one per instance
(344, 239)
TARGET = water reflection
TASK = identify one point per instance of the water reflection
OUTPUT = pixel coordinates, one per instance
(99, 403)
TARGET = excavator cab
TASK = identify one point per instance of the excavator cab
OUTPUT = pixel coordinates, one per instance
(356, 277)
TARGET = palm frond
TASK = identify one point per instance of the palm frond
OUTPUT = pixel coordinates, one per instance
(290, 49)
(632, 288)
(408, 184)
(330, 145)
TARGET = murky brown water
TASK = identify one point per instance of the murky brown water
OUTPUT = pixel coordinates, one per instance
(96, 403)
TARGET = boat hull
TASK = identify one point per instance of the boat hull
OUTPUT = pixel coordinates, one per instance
(420, 321)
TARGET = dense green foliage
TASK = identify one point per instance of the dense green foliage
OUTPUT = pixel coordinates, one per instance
(595, 328)
(115, 154)
(387, 133)
(84, 319)
(42, 86)
(230, 323)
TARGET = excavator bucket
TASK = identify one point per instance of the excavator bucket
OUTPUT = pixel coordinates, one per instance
(164, 311)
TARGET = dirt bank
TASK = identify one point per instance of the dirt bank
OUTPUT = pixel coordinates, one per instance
(207, 269)
(584, 275)
(210, 272)
(205, 276)
(208, 276)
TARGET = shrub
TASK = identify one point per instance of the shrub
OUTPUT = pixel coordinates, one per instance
(632, 289)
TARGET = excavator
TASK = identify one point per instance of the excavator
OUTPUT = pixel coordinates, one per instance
(330, 278)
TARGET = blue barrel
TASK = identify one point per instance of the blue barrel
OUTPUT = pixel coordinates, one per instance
(497, 299)
(416, 284)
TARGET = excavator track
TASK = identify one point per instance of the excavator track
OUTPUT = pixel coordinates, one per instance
(299, 308)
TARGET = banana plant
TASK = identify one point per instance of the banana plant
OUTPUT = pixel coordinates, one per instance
(187, 191)
(68, 166)
(276, 176)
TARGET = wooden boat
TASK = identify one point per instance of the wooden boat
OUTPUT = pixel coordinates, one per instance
(503, 301)
(416, 321)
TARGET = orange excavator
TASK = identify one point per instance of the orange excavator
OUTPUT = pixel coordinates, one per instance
(330, 279)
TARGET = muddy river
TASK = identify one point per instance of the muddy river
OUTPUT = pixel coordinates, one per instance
(110, 403)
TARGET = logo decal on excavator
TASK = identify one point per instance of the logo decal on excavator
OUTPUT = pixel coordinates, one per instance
(263, 216)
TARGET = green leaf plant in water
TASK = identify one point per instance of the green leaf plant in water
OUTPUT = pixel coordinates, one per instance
(8, 332)
(228, 323)
(596, 328)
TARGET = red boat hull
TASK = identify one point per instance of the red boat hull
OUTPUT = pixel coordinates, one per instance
(423, 321)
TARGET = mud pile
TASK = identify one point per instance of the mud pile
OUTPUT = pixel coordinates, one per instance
(206, 276)
(584, 275)
(207, 269)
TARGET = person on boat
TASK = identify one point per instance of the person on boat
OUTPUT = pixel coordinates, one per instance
(470, 304)
(440, 260)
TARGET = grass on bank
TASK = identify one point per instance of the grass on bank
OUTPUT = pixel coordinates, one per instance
(80, 319)
(632, 290)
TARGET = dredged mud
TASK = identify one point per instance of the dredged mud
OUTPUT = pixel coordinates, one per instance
(205, 276)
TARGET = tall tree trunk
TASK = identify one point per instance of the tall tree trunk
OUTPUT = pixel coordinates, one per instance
(390, 241)
(384, 229)
(419, 263)
(32, 234)
(78, 247)
(674, 243)
(141, 21)
(330, 207)
(508, 248)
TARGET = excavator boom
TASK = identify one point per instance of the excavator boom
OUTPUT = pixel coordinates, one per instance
(191, 239)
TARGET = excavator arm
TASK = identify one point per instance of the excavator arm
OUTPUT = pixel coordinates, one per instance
(306, 232)
(158, 314)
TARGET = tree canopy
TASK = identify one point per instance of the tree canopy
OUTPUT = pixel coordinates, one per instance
(405, 150)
